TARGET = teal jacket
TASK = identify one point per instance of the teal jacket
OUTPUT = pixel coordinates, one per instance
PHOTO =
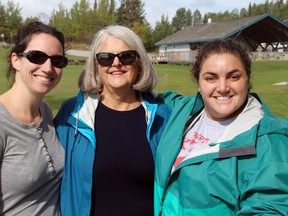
(75, 128)
(247, 175)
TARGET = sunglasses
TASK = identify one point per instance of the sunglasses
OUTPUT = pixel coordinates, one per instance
(38, 57)
(126, 57)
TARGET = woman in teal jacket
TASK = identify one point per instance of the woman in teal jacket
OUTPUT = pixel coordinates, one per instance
(222, 152)
(110, 131)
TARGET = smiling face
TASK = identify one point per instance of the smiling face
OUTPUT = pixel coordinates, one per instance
(34, 78)
(224, 86)
(117, 77)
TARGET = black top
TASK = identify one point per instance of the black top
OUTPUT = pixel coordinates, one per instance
(124, 165)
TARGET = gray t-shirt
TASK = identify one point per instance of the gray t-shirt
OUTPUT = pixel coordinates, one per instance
(31, 165)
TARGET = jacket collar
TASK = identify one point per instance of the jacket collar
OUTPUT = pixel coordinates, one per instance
(83, 114)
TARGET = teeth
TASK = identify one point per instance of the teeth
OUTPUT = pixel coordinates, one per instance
(44, 79)
(223, 98)
(116, 73)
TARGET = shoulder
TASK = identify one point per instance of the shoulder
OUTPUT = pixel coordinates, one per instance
(46, 110)
(65, 110)
(271, 124)
(69, 103)
(164, 110)
(174, 99)
(161, 107)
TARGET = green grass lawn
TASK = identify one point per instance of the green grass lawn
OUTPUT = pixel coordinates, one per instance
(177, 78)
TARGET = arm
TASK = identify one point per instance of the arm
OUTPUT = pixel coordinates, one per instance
(264, 186)
(169, 98)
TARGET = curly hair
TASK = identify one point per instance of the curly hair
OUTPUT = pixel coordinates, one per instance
(219, 46)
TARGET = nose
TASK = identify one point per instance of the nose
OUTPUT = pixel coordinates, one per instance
(222, 86)
(116, 62)
(47, 66)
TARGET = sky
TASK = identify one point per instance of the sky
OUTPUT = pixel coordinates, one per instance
(154, 9)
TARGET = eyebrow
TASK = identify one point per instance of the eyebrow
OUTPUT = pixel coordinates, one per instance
(229, 73)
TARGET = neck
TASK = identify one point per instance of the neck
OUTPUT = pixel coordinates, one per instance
(120, 102)
(24, 108)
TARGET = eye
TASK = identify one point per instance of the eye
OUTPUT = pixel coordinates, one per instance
(210, 78)
(234, 77)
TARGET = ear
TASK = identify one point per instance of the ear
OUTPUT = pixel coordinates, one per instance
(15, 61)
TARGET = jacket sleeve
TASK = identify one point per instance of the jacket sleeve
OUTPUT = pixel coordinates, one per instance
(169, 98)
(264, 184)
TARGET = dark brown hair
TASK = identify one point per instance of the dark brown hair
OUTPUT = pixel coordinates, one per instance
(23, 38)
(219, 47)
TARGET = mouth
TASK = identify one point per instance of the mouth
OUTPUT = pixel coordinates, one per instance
(223, 98)
(44, 79)
(116, 73)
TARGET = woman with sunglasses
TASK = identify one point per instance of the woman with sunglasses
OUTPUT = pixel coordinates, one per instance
(32, 158)
(110, 130)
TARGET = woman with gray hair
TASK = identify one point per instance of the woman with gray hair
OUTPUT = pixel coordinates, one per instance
(110, 130)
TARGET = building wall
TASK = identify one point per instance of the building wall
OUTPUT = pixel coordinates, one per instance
(174, 48)
(188, 57)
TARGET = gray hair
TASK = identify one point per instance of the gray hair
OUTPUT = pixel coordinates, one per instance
(89, 80)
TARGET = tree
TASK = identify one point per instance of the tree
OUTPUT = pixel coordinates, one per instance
(250, 9)
(243, 13)
(130, 11)
(81, 22)
(162, 29)
(189, 18)
(95, 5)
(75, 25)
(2, 15)
(13, 19)
(182, 19)
(83, 17)
(144, 31)
(131, 14)
(278, 10)
(62, 21)
(234, 14)
(103, 13)
(3, 29)
(197, 17)
(112, 12)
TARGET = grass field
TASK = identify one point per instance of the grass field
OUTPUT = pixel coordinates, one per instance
(177, 78)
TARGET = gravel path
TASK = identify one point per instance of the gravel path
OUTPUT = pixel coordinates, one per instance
(83, 53)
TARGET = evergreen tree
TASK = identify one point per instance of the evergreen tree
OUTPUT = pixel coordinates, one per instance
(197, 17)
(162, 29)
(182, 19)
(131, 11)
